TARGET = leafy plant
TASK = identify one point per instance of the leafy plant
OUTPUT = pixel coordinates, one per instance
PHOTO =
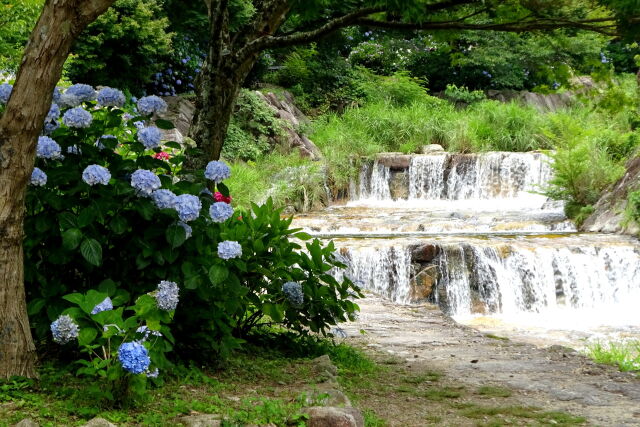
(463, 94)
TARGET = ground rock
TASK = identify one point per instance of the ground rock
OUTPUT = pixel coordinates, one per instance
(394, 160)
(99, 422)
(325, 395)
(27, 422)
(321, 416)
(180, 112)
(422, 285)
(323, 364)
(432, 149)
(201, 420)
(399, 185)
(609, 213)
(425, 253)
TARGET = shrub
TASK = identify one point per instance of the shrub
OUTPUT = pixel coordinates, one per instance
(462, 94)
(103, 207)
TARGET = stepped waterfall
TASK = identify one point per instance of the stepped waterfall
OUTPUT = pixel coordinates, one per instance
(472, 234)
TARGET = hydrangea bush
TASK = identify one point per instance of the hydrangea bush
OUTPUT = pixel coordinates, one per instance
(105, 205)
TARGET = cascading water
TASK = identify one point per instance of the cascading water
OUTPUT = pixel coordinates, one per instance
(492, 252)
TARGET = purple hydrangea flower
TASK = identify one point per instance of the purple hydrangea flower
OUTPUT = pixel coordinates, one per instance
(293, 292)
(188, 207)
(150, 137)
(220, 211)
(151, 104)
(134, 357)
(48, 149)
(38, 177)
(109, 97)
(217, 171)
(145, 182)
(5, 92)
(229, 249)
(105, 305)
(96, 174)
(77, 117)
(64, 329)
(167, 295)
(164, 199)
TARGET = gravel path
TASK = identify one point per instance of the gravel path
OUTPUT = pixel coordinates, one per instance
(553, 378)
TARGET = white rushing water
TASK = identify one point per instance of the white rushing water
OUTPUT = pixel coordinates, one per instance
(465, 205)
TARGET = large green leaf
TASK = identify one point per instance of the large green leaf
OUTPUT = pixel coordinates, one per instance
(175, 235)
(71, 238)
(91, 250)
(218, 274)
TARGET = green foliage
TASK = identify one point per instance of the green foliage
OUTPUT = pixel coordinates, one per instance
(625, 355)
(632, 211)
(17, 19)
(123, 47)
(463, 95)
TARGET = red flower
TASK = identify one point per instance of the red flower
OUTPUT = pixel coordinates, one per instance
(220, 198)
(162, 156)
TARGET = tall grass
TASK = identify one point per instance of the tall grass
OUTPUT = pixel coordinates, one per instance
(625, 355)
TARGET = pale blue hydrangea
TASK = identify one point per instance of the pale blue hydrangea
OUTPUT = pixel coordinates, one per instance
(96, 174)
(68, 100)
(49, 127)
(146, 331)
(151, 104)
(134, 357)
(82, 92)
(77, 117)
(145, 182)
(99, 143)
(187, 229)
(153, 374)
(38, 177)
(188, 207)
(109, 97)
(53, 114)
(217, 171)
(64, 329)
(150, 137)
(73, 149)
(105, 305)
(229, 249)
(48, 149)
(5, 92)
(293, 292)
(56, 95)
(167, 295)
(139, 125)
(220, 211)
(164, 199)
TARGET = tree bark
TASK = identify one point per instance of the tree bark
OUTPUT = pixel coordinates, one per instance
(59, 24)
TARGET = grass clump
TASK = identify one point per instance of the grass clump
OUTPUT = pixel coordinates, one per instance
(493, 391)
(625, 355)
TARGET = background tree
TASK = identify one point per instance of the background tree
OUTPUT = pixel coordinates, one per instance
(236, 40)
(59, 24)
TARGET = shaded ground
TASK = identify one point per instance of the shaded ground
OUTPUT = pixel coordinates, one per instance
(513, 375)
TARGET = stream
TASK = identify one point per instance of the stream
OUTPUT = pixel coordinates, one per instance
(472, 234)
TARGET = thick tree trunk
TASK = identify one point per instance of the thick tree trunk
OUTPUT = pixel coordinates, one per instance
(60, 23)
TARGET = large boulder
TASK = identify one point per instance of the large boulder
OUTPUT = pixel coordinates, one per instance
(609, 213)
(321, 416)
(180, 112)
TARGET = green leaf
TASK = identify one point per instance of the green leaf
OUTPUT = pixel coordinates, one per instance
(119, 224)
(176, 235)
(223, 189)
(67, 220)
(71, 238)
(172, 144)
(87, 216)
(35, 306)
(86, 336)
(218, 274)
(108, 287)
(75, 298)
(303, 236)
(164, 124)
(91, 250)
(275, 311)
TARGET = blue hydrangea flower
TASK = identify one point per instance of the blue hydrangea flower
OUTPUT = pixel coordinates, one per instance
(5, 92)
(64, 329)
(220, 211)
(38, 177)
(217, 171)
(109, 97)
(152, 374)
(150, 137)
(139, 125)
(82, 92)
(293, 292)
(56, 94)
(99, 143)
(145, 182)
(167, 295)
(77, 117)
(134, 357)
(69, 100)
(164, 199)
(73, 149)
(48, 149)
(187, 228)
(105, 305)
(53, 114)
(188, 207)
(96, 174)
(151, 104)
(49, 127)
(146, 331)
(229, 249)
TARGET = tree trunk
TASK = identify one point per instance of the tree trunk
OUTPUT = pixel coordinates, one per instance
(48, 47)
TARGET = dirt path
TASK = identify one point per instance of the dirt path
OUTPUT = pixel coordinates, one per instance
(554, 378)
